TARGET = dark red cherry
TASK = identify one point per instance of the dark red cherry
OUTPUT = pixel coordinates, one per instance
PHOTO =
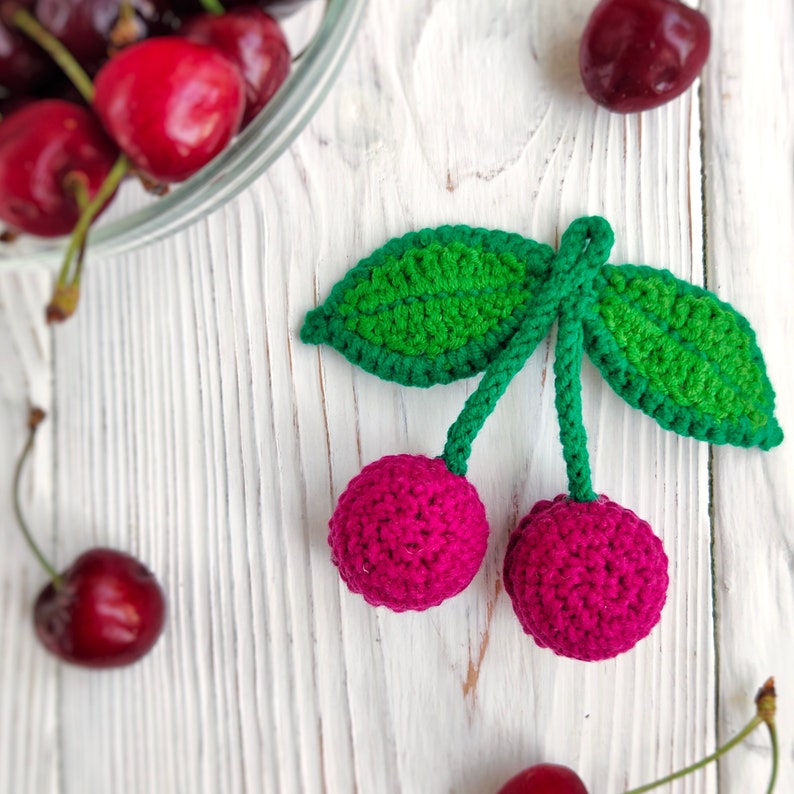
(544, 779)
(85, 27)
(43, 146)
(170, 104)
(638, 54)
(23, 65)
(107, 611)
(254, 41)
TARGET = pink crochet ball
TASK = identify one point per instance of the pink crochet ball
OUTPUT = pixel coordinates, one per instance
(587, 579)
(408, 533)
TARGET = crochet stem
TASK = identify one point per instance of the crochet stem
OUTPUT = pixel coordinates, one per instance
(568, 401)
(584, 248)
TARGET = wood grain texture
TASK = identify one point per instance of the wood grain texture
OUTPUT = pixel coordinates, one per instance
(193, 428)
(749, 149)
(29, 750)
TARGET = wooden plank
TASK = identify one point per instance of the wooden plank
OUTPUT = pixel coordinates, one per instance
(196, 431)
(29, 739)
(749, 122)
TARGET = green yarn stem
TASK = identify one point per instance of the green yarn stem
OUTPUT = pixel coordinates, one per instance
(584, 248)
(568, 402)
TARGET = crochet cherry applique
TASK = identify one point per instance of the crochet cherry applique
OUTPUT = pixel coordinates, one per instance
(587, 578)
(408, 533)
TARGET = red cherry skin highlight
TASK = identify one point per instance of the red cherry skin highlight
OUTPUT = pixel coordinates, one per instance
(254, 41)
(108, 611)
(40, 145)
(635, 55)
(544, 779)
(170, 104)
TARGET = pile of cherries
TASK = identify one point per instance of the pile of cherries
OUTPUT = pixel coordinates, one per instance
(92, 91)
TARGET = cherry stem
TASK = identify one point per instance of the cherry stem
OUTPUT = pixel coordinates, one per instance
(77, 184)
(584, 248)
(213, 7)
(35, 418)
(29, 25)
(765, 713)
(66, 294)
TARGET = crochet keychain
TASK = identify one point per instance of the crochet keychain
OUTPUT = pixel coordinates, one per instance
(587, 577)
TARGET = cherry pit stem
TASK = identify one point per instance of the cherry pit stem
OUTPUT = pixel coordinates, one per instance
(35, 418)
(30, 26)
(67, 288)
(213, 7)
(765, 713)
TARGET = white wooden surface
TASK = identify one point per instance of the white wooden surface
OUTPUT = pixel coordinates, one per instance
(190, 426)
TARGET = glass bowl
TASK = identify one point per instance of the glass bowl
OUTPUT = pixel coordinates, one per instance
(322, 32)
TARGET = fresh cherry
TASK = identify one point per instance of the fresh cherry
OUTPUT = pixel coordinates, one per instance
(51, 152)
(85, 27)
(105, 610)
(638, 54)
(170, 104)
(544, 779)
(23, 66)
(254, 41)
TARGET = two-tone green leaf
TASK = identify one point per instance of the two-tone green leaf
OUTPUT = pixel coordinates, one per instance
(432, 306)
(682, 356)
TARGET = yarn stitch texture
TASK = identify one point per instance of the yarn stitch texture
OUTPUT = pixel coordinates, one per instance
(441, 304)
(587, 580)
(407, 533)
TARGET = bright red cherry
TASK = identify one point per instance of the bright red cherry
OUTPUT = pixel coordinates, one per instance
(254, 41)
(107, 610)
(43, 147)
(544, 779)
(170, 104)
(638, 54)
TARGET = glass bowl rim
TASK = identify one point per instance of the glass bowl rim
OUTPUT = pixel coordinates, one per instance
(243, 161)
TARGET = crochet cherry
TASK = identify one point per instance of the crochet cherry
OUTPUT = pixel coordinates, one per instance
(544, 779)
(106, 610)
(254, 41)
(635, 55)
(54, 156)
(170, 104)
(407, 533)
(587, 579)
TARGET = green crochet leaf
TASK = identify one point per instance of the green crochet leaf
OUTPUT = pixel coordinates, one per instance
(682, 356)
(432, 306)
